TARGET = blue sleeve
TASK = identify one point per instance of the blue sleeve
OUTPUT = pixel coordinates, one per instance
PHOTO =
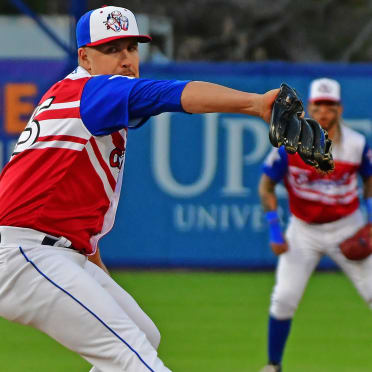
(112, 102)
(276, 164)
(365, 169)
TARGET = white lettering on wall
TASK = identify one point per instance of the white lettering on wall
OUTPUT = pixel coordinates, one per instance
(216, 217)
(235, 158)
(161, 153)
(237, 129)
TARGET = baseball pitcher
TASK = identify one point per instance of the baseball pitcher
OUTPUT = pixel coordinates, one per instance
(60, 191)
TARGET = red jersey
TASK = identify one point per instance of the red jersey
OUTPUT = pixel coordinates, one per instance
(318, 198)
(61, 179)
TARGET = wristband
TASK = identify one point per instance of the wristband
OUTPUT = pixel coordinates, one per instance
(369, 209)
(275, 231)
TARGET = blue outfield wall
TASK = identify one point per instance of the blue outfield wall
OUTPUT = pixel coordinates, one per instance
(189, 196)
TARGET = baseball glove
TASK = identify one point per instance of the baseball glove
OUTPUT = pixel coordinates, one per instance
(358, 246)
(297, 134)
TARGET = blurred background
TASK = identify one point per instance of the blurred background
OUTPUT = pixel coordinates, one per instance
(189, 199)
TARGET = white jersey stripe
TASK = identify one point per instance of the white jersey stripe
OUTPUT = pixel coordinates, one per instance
(325, 199)
(100, 171)
(78, 73)
(57, 144)
(58, 106)
(104, 145)
(69, 127)
(321, 187)
(109, 218)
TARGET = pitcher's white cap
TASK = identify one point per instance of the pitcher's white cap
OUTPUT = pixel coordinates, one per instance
(108, 23)
(325, 90)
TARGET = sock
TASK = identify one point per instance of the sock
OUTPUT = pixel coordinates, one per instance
(278, 334)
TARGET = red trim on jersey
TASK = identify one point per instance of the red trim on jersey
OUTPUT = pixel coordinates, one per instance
(66, 90)
(118, 141)
(63, 138)
(65, 113)
(103, 163)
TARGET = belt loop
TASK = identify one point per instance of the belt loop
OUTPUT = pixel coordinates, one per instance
(48, 240)
(63, 242)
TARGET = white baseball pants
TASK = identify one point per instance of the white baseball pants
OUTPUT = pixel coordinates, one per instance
(307, 244)
(58, 291)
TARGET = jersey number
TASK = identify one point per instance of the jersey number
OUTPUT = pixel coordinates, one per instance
(32, 131)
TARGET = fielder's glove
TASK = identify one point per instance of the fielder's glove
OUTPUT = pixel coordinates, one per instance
(297, 134)
(358, 246)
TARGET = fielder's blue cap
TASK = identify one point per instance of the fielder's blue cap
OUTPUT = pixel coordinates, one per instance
(108, 23)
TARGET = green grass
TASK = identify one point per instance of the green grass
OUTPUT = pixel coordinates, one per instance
(217, 322)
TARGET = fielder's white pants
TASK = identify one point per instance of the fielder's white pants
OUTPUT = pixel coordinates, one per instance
(58, 291)
(307, 244)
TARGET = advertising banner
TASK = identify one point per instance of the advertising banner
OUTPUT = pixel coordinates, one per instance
(189, 195)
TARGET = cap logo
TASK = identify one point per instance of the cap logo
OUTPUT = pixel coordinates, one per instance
(116, 21)
(324, 88)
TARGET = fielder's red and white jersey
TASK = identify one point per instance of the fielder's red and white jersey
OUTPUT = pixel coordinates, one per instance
(318, 198)
(61, 179)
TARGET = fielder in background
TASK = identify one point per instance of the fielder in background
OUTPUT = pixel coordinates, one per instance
(324, 212)
(60, 190)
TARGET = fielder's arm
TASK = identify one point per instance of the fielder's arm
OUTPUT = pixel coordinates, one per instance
(367, 187)
(367, 191)
(266, 190)
(201, 97)
(96, 259)
(269, 201)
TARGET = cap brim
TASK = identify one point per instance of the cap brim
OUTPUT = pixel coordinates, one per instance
(140, 38)
(324, 99)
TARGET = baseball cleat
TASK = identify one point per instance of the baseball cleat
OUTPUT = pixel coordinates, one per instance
(272, 368)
